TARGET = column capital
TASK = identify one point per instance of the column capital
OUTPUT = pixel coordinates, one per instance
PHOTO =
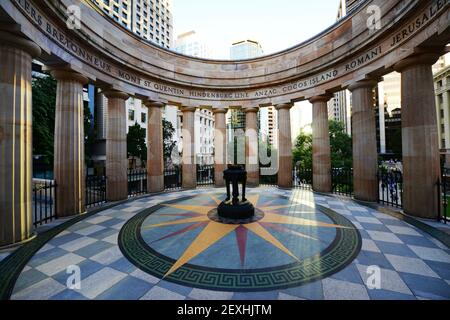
(20, 42)
(219, 110)
(367, 83)
(115, 94)
(321, 98)
(284, 106)
(250, 110)
(61, 73)
(423, 58)
(153, 104)
(188, 109)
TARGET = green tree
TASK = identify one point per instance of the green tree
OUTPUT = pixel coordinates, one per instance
(136, 145)
(302, 152)
(169, 143)
(44, 100)
(340, 143)
(341, 146)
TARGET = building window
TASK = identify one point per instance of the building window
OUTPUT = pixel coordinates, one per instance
(143, 117)
(131, 115)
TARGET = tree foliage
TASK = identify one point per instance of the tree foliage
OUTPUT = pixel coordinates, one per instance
(340, 143)
(168, 137)
(302, 153)
(44, 101)
(341, 146)
(136, 146)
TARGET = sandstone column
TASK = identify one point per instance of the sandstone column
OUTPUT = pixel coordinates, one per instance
(321, 145)
(16, 221)
(189, 163)
(365, 155)
(220, 146)
(421, 165)
(155, 149)
(284, 146)
(69, 172)
(251, 146)
(116, 146)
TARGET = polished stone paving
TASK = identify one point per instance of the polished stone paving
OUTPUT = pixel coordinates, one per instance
(413, 265)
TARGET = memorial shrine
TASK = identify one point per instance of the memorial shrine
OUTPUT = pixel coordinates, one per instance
(236, 239)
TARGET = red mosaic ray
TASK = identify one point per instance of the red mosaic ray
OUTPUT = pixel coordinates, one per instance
(241, 238)
(184, 230)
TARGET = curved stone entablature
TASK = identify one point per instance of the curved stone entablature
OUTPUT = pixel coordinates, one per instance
(110, 55)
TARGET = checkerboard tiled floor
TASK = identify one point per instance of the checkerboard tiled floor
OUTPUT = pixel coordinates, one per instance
(413, 265)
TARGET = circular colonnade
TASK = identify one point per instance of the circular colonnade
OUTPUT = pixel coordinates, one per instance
(407, 36)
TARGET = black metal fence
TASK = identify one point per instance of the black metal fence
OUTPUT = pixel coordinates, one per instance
(342, 181)
(205, 175)
(44, 201)
(267, 176)
(390, 184)
(95, 190)
(137, 182)
(302, 178)
(173, 178)
(444, 196)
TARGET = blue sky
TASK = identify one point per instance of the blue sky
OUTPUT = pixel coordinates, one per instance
(276, 24)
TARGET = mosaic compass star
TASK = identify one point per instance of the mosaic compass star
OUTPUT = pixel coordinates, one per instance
(293, 242)
(215, 231)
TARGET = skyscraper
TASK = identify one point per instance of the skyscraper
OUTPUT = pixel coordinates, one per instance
(149, 19)
(191, 44)
(246, 49)
(346, 6)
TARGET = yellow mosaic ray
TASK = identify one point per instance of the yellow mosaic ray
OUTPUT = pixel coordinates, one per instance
(176, 222)
(216, 200)
(264, 234)
(275, 218)
(212, 233)
(254, 198)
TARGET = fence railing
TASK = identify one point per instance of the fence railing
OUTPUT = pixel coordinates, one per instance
(137, 182)
(173, 178)
(205, 175)
(267, 177)
(302, 178)
(95, 190)
(444, 196)
(44, 201)
(390, 183)
(342, 181)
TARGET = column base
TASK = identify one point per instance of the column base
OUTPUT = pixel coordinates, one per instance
(155, 184)
(18, 244)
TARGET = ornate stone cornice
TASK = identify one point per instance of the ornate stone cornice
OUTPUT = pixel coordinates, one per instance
(250, 110)
(14, 40)
(321, 98)
(218, 111)
(188, 109)
(368, 83)
(115, 94)
(286, 106)
(428, 59)
(153, 104)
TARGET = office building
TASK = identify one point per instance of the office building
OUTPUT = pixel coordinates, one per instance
(149, 19)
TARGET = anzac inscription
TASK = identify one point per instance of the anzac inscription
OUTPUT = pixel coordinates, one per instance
(118, 71)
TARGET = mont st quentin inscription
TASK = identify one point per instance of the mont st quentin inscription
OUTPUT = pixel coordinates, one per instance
(60, 37)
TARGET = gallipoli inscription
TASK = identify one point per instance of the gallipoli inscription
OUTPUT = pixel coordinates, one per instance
(116, 70)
